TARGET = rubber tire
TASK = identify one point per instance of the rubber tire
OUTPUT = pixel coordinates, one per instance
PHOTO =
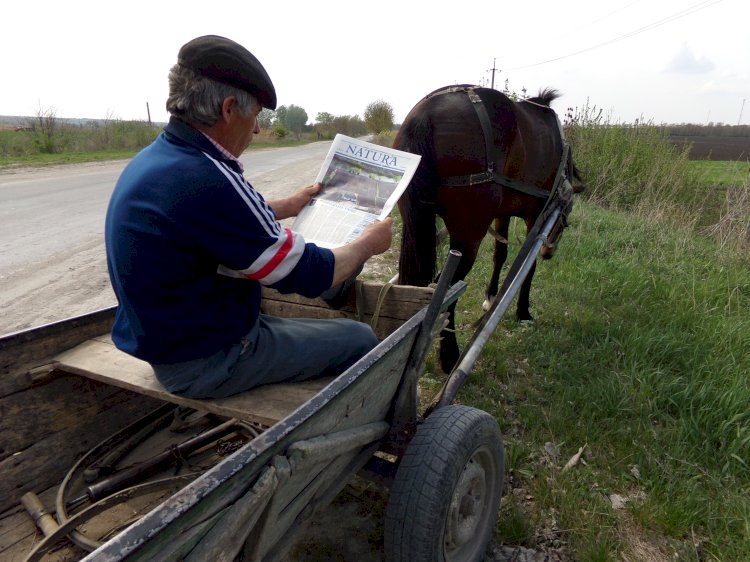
(456, 446)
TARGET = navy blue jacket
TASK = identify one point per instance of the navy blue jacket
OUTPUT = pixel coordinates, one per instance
(189, 243)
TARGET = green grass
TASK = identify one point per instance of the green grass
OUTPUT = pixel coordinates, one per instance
(640, 353)
(19, 149)
(66, 158)
(722, 173)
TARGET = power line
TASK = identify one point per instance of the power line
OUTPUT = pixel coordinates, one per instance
(677, 15)
(592, 22)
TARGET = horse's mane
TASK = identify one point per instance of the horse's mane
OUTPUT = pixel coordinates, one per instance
(545, 96)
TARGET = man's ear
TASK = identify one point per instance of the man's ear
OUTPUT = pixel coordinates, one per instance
(228, 106)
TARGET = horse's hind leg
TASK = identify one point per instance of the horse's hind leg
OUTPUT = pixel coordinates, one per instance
(498, 260)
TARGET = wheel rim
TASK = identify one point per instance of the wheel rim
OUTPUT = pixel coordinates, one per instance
(467, 511)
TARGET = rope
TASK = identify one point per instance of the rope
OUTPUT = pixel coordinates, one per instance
(359, 300)
(381, 297)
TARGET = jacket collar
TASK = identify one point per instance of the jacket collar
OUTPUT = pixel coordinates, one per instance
(184, 133)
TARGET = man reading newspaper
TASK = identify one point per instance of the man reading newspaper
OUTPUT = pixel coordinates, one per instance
(190, 242)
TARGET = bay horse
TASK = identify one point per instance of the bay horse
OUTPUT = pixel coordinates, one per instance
(485, 158)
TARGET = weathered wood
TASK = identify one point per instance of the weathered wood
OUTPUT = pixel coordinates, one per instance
(225, 539)
(366, 400)
(90, 512)
(399, 303)
(100, 360)
(333, 444)
(18, 534)
(32, 416)
(361, 395)
(43, 462)
(22, 351)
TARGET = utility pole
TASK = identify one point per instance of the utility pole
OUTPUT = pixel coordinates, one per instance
(148, 111)
(739, 119)
(493, 69)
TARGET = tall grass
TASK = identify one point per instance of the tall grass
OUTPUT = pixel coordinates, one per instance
(733, 227)
(633, 167)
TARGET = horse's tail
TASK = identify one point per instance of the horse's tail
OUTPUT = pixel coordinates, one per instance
(417, 262)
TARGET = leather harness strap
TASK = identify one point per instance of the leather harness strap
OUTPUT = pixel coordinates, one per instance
(491, 174)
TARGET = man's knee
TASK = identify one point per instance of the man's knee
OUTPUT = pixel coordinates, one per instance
(361, 336)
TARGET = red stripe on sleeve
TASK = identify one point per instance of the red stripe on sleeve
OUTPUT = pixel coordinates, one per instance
(276, 259)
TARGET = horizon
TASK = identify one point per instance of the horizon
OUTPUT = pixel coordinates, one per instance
(667, 62)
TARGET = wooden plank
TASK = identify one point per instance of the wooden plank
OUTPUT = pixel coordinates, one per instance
(25, 350)
(100, 360)
(42, 462)
(19, 534)
(225, 539)
(398, 303)
(384, 327)
(68, 401)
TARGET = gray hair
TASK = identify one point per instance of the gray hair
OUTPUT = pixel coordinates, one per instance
(198, 100)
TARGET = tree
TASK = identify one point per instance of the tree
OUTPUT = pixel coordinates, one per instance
(379, 117)
(265, 118)
(324, 118)
(281, 115)
(295, 119)
(47, 121)
(351, 125)
(324, 125)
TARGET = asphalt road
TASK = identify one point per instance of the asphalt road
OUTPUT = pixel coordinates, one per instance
(52, 261)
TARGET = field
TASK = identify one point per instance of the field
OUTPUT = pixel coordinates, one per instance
(715, 148)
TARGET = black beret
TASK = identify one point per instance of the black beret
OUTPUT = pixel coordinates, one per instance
(223, 60)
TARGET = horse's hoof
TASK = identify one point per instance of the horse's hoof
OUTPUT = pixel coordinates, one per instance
(524, 316)
(487, 304)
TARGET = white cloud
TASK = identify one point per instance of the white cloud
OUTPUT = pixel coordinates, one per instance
(685, 62)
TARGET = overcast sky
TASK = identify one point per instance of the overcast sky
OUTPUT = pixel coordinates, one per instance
(670, 61)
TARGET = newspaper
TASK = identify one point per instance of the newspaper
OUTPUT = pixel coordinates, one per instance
(360, 183)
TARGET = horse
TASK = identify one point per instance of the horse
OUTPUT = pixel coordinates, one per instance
(485, 158)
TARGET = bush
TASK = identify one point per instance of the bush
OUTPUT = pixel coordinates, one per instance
(637, 168)
(279, 130)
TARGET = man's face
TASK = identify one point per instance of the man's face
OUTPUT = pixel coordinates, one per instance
(242, 128)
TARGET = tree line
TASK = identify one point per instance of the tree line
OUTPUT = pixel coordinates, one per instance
(709, 130)
(46, 133)
(292, 119)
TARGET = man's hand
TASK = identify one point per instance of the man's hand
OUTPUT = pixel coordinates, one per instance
(375, 239)
(377, 236)
(292, 205)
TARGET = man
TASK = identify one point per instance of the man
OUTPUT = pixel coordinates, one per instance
(190, 242)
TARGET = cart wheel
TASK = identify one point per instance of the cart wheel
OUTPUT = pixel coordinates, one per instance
(446, 494)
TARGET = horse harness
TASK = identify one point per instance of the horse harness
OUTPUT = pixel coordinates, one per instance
(491, 174)
(561, 187)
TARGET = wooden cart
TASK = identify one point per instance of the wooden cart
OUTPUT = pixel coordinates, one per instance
(69, 398)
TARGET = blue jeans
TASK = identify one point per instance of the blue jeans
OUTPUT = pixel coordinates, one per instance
(275, 350)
